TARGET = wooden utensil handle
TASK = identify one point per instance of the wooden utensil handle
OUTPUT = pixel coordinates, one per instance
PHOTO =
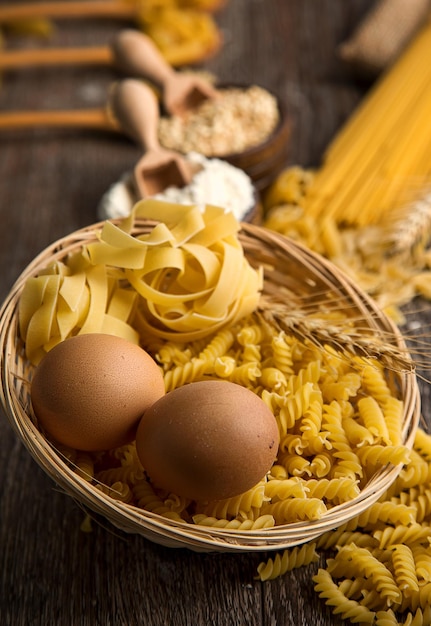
(137, 55)
(118, 9)
(136, 108)
(95, 119)
(23, 59)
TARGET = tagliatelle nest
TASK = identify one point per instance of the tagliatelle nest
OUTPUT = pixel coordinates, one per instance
(306, 280)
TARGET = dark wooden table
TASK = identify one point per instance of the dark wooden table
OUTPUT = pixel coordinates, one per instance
(52, 573)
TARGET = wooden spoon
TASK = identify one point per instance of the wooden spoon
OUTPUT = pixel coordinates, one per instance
(136, 108)
(110, 9)
(135, 54)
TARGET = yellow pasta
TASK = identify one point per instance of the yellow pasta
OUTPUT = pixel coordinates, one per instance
(392, 535)
(386, 512)
(186, 278)
(374, 419)
(360, 562)
(382, 153)
(323, 458)
(295, 509)
(327, 451)
(252, 499)
(283, 489)
(341, 605)
(405, 569)
(416, 473)
(378, 565)
(287, 561)
(335, 490)
(321, 465)
(422, 561)
(84, 466)
(146, 497)
(264, 521)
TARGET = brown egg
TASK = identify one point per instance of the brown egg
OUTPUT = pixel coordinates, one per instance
(207, 440)
(90, 391)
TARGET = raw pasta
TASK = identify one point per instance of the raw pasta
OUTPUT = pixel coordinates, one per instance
(327, 451)
(377, 257)
(187, 277)
(287, 561)
(378, 565)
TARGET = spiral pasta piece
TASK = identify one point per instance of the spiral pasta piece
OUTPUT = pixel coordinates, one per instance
(417, 472)
(295, 509)
(342, 537)
(273, 377)
(217, 347)
(348, 462)
(386, 618)
(422, 560)
(417, 599)
(373, 457)
(129, 474)
(341, 605)
(295, 464)
(263, 521)
(357, 434)
(84, 466)
(342, 388)
(252, 353)
(190, 371)
(282, 353)
(299, 401)
(361, 562)
(224, 366)
(287, 561)
(421, 617)
(405, 568)
(373, 380)
(246, 374)
(390, 535)
(320, 465)
(250, 334)
(118, 490)
(311, 422)
(393, 411)
(292, 444)
(289, 488)
(172, 354)
(422, 444)
(374, 420)
(232, 507)
(417, 497)
(334, 490)
(147, 499)
(386, 512)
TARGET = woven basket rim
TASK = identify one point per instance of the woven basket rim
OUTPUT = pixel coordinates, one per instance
(172, 533)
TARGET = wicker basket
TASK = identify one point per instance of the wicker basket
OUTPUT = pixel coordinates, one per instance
(287, 264)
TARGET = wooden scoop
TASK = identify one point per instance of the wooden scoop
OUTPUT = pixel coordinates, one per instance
(135, 54)
(136, 108)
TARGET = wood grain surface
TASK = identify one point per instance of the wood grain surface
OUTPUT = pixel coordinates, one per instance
(52, 573)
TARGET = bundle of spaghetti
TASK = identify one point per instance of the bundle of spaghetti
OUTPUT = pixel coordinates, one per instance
(382, 155)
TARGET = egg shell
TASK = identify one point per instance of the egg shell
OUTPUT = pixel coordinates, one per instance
(207, 440)
(90, 391)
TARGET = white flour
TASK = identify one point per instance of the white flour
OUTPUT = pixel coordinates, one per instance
(217, 183)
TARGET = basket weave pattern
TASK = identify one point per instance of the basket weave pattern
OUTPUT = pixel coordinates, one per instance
(288, 267)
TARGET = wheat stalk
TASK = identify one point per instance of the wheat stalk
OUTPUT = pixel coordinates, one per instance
(342, 334)
(409, 227)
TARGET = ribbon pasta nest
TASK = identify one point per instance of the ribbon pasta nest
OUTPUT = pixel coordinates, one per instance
(184, 279)
(211, 298)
